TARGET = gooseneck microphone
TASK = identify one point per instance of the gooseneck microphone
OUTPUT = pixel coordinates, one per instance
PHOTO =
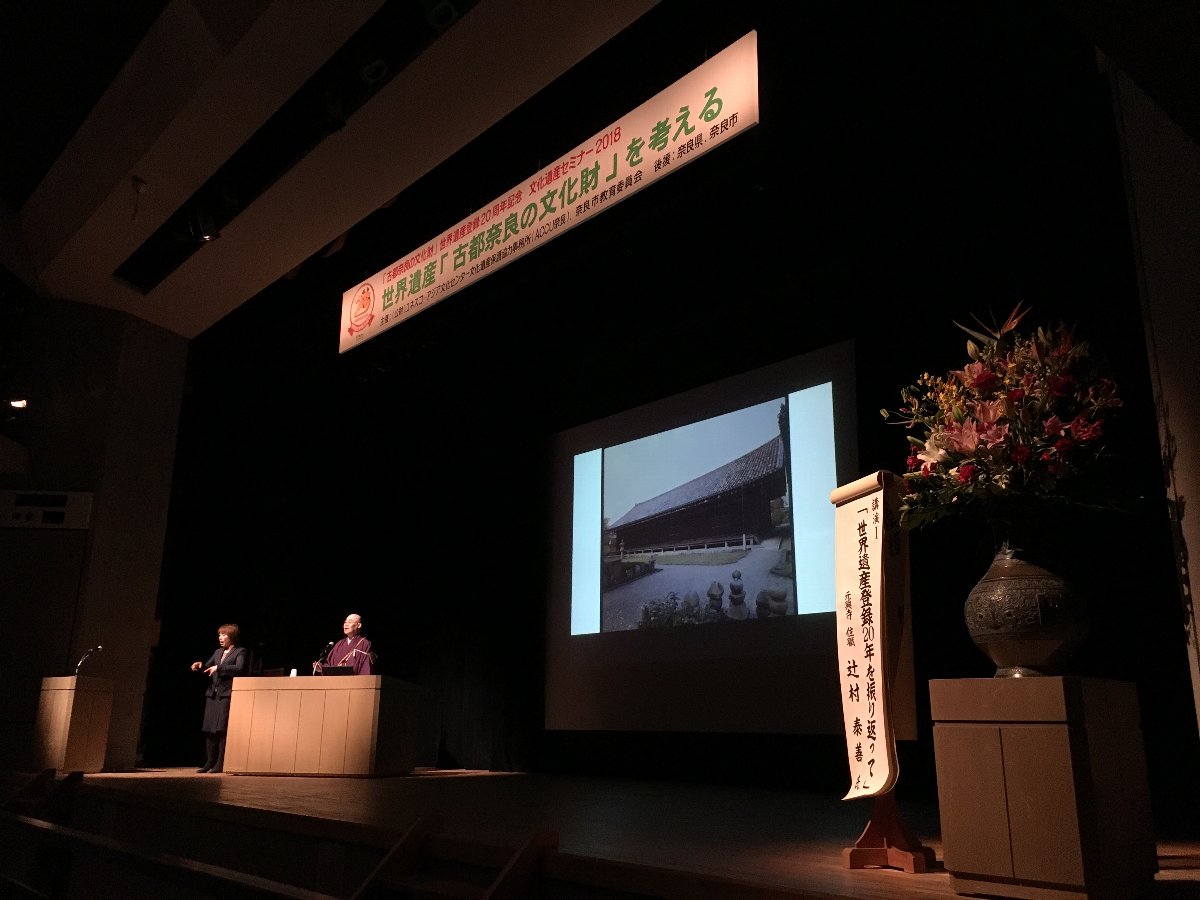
(321, 656)
(83, 658)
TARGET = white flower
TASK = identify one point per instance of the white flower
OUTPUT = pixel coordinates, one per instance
(933, 452)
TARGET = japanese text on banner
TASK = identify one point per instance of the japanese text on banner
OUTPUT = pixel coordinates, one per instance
(710, 105)
(861, 646)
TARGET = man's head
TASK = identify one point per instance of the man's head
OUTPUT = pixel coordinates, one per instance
(352, 625)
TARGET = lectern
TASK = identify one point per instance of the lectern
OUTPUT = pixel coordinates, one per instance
(321, 725)
(72, 723)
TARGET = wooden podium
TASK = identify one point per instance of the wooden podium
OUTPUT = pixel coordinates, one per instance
(71, 732)
(323, 725)
(1042, 788)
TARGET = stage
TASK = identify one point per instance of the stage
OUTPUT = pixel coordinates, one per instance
(694, 840)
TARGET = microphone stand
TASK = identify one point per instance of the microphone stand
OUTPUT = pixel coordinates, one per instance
(321, 656)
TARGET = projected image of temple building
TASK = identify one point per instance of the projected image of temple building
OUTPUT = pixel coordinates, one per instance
(716, 548)
(737, 505)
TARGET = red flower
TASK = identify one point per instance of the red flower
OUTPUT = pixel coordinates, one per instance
(1104, 393)
(1061, 385)
(914, 461)
(966, 472)
(1016, 395)
(985, 381)
(1064, 447)
(1021, 454)
(1082, 430)
(978, 376)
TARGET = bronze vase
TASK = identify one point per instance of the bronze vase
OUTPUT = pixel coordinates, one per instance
(1026, 619)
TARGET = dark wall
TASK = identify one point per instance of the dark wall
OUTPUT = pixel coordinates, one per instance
(915, 165)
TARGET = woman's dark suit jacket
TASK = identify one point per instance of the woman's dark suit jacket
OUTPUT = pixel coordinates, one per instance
(220, 687)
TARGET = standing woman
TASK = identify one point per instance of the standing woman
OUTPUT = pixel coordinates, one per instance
(227, 661)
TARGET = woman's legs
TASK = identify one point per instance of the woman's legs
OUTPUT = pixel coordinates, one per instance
(214, 752)
(219, 765)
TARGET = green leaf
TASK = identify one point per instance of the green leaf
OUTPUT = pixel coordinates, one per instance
(982, 338)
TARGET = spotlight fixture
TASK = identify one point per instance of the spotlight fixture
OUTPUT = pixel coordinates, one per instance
(18, 403)
(389, 41)
(200, 225)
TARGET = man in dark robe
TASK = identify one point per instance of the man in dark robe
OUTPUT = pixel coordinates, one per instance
(353, 650)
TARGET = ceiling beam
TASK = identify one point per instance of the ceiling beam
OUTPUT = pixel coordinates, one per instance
(193, 93)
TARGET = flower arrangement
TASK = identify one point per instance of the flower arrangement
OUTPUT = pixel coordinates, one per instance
(669, 611)
(1021, 424)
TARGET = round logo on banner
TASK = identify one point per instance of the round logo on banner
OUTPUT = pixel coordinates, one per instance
(362, 308)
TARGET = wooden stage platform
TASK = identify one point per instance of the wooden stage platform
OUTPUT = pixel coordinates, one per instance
(727, 841)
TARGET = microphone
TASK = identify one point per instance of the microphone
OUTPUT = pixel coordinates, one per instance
(83, 658)
(322, 655)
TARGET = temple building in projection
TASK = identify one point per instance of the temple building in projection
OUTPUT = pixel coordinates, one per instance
(738, 504)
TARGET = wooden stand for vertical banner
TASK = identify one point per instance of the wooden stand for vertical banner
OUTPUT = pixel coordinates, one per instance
(876, 666)
(888, 843)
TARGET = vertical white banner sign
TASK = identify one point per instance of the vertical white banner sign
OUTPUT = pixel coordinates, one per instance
(871, 585)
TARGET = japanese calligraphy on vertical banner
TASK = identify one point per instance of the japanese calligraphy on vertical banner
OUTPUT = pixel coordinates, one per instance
(702, 110)
(873, 634)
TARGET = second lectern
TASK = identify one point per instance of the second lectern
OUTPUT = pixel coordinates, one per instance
(72, 723)
(321, 725)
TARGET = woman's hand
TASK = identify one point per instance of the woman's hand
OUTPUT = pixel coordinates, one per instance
(196, 666)
(209, 671)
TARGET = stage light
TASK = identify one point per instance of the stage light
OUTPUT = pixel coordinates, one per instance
(201, 225)
(18, 403)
